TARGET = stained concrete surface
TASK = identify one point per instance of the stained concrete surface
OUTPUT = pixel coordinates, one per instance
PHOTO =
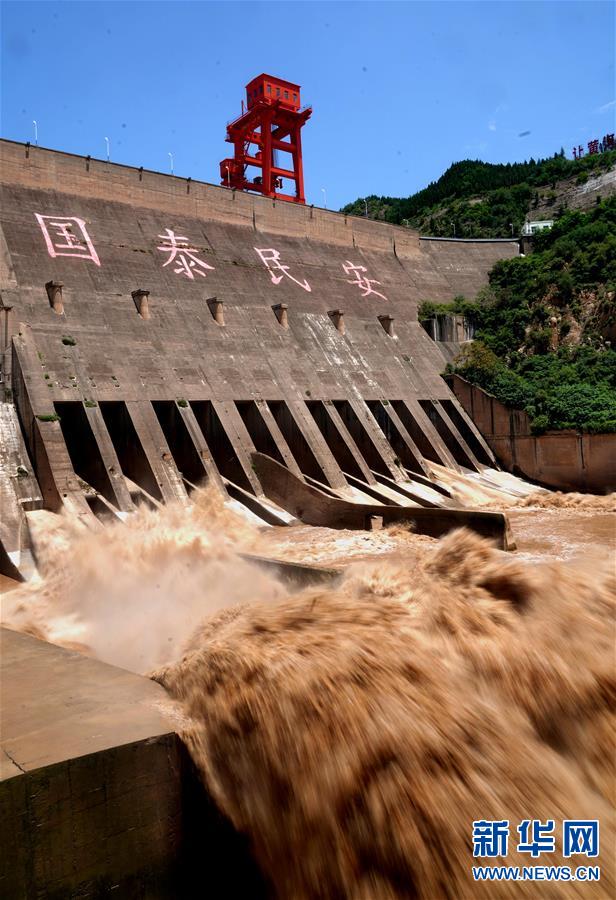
(90, 774)
(57, 703)
(305, 389)
(97, 794)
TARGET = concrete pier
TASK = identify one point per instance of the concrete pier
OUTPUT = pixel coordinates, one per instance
(98, 796)
(91, 783)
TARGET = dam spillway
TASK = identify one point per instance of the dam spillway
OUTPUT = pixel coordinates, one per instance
(157, 331)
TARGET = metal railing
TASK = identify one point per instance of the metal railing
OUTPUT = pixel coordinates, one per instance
(276, 102)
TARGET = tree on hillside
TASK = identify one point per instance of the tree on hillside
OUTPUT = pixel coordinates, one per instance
(471, 183)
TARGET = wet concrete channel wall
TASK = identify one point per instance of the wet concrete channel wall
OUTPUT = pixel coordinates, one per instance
(565, 460)
(160, 330)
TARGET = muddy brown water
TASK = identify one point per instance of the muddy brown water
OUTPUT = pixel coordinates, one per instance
(353, 732)
(356, 732)
(557, 534)
(541, 535)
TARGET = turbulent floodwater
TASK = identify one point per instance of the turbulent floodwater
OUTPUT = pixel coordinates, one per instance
(133, 593)
(355, 732)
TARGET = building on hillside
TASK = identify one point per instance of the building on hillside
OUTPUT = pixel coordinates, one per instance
(533, 227)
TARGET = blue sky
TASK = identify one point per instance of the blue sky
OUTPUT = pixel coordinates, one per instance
(399, 89)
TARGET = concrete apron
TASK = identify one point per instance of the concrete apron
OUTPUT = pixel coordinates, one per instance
(315, 507)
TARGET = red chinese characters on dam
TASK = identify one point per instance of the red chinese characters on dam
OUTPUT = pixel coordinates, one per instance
(363, 283)
(67, 236)
(185, 257)
(271, 260)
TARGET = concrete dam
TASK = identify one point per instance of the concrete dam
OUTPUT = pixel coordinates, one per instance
(158, 331)
(159, 334)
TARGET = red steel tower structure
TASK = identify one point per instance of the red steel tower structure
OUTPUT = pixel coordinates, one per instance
(271, 123)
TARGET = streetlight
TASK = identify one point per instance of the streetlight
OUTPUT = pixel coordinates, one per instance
(108, 149)
(324, 198)
(35, 132)
(453, 225)
(366, 205)
(228, 177)
(170, 155)
(6, 310)
(5, 346)
(511, 226)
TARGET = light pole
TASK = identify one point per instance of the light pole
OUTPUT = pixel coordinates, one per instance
(228, 177)
(6, 310)
(35, 132)
(453, 225)
(511, 226)
(170, 155)
(5, 345)
(366, 205)
(108, 149)
(324, 198)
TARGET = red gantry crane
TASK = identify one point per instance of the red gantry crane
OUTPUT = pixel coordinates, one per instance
(271, 124)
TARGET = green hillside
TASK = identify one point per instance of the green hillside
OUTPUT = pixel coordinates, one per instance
(546, 326)
(480, 199)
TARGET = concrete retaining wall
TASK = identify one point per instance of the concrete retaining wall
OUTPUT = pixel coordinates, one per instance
(566, 460)
(98, 797)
